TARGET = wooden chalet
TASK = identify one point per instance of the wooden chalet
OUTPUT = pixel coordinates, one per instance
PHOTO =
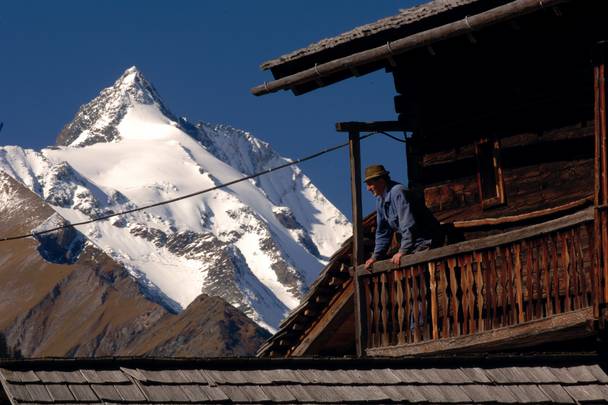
(504, 107)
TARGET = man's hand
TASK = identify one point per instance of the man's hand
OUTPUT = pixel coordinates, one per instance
(369, 263)
(397, 258)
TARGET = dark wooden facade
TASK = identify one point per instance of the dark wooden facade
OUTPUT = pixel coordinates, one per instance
(527, 85)
(505, 105)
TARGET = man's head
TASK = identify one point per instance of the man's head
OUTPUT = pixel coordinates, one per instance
(376, 179)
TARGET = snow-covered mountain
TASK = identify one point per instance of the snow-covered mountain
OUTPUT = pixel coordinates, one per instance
(257, 244)
(62, 298)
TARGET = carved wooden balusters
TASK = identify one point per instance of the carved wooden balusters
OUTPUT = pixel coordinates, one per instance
(476, 291)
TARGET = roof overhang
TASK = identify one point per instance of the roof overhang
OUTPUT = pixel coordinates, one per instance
(379, 57)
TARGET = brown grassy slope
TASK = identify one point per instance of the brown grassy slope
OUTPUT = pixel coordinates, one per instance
(208, 323)
(24, 276)
(93, 307)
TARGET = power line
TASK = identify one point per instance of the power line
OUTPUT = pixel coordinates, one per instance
(393, 137)
(219, 186)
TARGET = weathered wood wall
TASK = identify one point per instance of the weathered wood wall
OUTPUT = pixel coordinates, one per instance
(528, 84)
(537, 175)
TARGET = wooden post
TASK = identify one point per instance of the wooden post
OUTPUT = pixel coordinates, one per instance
(354, 130)
(355, 187)
(601, 184)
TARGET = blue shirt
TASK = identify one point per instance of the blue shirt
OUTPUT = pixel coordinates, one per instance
(394, 213)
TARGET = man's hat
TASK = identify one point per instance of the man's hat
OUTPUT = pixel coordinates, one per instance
(375, 171)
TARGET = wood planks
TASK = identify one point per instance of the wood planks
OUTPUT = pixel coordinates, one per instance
(569, 325)
(472, 292)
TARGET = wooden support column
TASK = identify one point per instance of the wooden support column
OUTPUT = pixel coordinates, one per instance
(600, 274)
(357, 258)
(355, 188)
(354, 130)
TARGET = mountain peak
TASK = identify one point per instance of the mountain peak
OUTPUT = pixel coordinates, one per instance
(256, 244)
(133, 70)
(97, 120)
(134, 88)
(131, 77)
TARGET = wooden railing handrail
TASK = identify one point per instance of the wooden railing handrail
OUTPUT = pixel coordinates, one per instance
(582, 216)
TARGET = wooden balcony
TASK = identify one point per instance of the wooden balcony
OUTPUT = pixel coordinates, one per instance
(521, 288)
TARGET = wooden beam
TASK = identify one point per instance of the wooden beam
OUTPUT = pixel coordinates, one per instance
(356, 126)
(482, 243)
(564, 326)
(463, 26)
(355, 188)
(510, 219)
(337, 305)
(601, 179)
(357, 257)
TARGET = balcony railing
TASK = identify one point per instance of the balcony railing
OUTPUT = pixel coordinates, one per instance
(481, 293)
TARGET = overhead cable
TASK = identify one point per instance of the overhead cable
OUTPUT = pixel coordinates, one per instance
(183, 197)
(390, 136)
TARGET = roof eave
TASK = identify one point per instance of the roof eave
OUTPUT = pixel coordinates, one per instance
(382, 56)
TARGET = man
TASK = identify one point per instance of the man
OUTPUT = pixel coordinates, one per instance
(415, 225)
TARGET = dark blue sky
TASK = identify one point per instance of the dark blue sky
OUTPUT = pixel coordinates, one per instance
(202, 57)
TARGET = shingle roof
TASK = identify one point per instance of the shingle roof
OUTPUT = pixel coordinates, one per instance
(531, 379)
(403, 18)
